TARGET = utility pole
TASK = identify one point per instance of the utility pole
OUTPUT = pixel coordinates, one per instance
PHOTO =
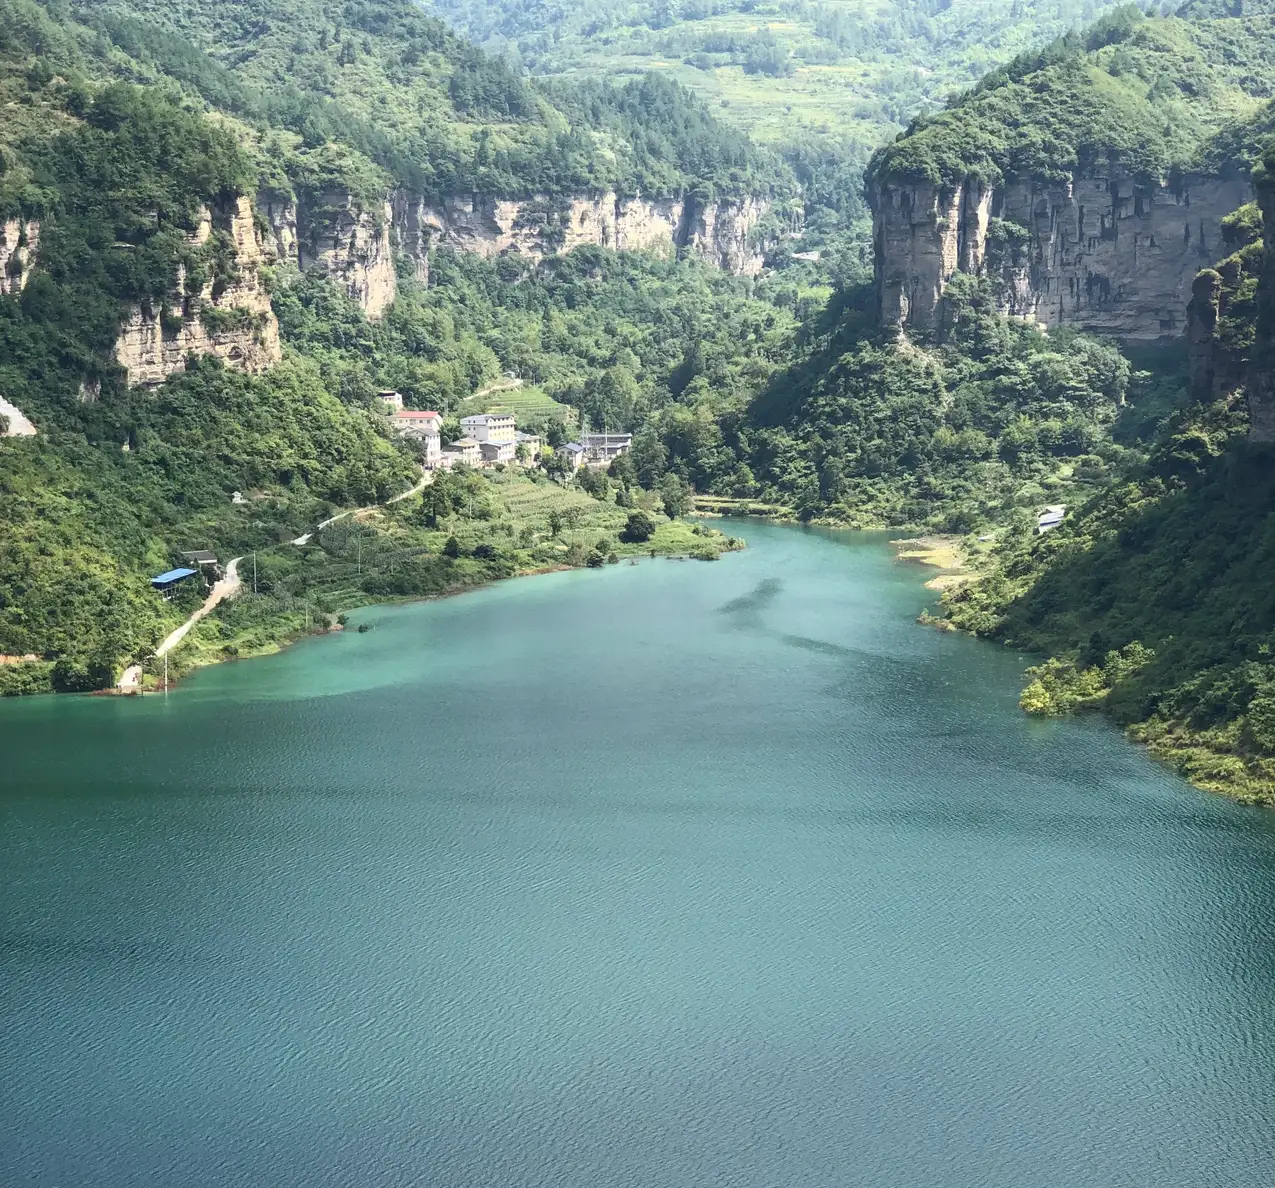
(359, 539)
(254, 572)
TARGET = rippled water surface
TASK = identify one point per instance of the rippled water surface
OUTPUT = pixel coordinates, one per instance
(671, 876)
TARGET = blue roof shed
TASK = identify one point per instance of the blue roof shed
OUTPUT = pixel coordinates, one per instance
(171, 578)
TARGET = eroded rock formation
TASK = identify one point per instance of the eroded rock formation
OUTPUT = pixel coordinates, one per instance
(228, 316)
(19, 242)
(350, 243)
(1102, 251)
(1261, 377)
(719, 231)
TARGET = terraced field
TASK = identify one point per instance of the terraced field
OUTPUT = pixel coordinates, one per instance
(530, 405)
(853, 70)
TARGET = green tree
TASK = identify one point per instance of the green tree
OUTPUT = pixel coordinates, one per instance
(638, 529)
(675, 494)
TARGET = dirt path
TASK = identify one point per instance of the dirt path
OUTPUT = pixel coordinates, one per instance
(229, 585)
(504, 385)
(426, 478)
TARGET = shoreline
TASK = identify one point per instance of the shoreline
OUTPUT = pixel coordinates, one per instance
(1172, 744)
(287, 641)
(949, 554)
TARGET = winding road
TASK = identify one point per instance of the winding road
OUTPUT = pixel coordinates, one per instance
(229, 586)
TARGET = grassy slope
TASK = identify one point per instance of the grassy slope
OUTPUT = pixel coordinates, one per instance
(392, 553)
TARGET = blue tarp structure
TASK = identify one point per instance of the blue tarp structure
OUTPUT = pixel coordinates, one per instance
(171, 577)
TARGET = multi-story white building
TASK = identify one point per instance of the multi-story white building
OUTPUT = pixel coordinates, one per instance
(528, 445)
(425, 427)
(465, 450)
(489, 426)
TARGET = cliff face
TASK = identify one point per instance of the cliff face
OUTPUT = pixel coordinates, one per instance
(1100, 252)
(356, 247)
(350, 244)
(719, 231)
(19, 242)
(229, 317)
(1261, 378)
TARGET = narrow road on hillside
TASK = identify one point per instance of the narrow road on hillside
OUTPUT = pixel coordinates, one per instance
(228, 587)
(504, 385)
(426, 477)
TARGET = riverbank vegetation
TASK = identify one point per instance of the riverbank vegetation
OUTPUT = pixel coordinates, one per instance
(466, 529)
(1153, 600)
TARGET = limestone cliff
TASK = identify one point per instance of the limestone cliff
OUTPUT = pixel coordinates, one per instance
(19, 241)
(1101, 251)
(720, 231)
(336, 233)
(226, 314)
(356, 247)
(1261, 378)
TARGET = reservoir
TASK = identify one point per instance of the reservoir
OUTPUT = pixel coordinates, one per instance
(676, 875)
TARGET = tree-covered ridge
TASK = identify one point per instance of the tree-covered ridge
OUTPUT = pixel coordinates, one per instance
(1146, 94)
(950, 434)
(843, 68)
(1154, 600)
(415, 101)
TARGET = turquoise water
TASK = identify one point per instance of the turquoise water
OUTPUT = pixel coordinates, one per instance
(674, 875)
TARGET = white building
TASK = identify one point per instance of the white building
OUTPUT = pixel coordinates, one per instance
(393, 399)
(1051, 517)
(426, 427)
(574, 453)
(531, 454)
(606, 447)
(463, 451)
(489, 426)
(496, 451)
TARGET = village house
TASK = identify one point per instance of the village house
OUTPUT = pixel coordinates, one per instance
(603, 448)
(574, 453)
(464, 451)
(425, 427)
(527, 448)
(202, 559)
(496, 451)
(496, 426)
(393, 399)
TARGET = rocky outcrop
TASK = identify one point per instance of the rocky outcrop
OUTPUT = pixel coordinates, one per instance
(348, 242)
(720, 231)
(1101, 251)
(13, 421)
(228, 315)
(19, 241)
(1261, 378)
(356, 247)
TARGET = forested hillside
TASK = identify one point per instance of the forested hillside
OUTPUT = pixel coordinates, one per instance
(397, 87)
(839, 68)
(134, 147)
(1155, 599)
